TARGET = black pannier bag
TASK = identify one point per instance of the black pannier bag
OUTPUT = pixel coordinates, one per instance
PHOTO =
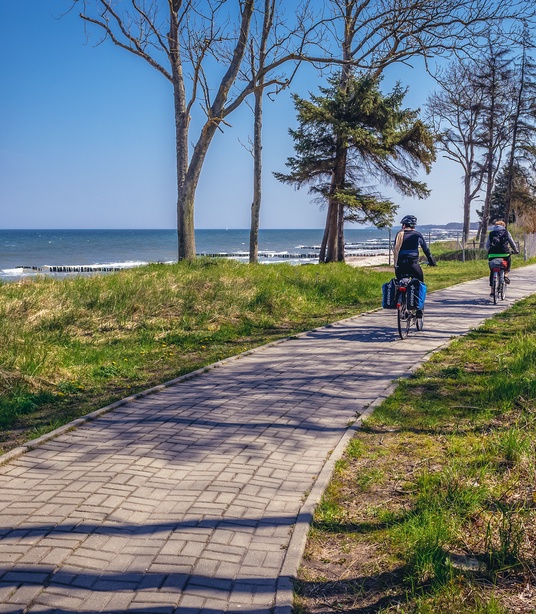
(389, 293)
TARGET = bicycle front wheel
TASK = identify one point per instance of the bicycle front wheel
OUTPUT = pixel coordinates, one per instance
(404, 319)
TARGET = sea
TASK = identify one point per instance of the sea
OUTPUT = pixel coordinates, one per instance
(65, 253)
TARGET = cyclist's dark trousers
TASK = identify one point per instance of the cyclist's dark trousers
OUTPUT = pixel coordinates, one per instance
(409, 266)
(507, 258)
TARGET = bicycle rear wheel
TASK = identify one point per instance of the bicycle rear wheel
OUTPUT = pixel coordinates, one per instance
(403, 318)
(419, 322)
(502, 287)
(495, 287)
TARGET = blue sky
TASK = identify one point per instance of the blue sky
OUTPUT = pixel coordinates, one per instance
(87, 139)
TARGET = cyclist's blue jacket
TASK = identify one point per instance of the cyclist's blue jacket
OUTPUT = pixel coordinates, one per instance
(411, 242)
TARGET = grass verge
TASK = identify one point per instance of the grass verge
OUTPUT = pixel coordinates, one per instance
(433, 507)
(68, 347)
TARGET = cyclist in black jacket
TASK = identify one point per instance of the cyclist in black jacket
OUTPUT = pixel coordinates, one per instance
(498, 245)
(406, 250)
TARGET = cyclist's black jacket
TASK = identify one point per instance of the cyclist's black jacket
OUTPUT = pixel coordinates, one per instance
(410, 245)
(499, 242)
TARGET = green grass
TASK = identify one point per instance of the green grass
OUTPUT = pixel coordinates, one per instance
(456, 445)
(68, 347)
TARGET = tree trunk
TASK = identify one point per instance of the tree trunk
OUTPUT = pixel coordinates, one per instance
(185, 204)
(257, 180)
(323, 245)
(486, 207)
(332, 232)
(335, 209)
(335, 243)
(514, 145)
(268, 20)
(466, 207)
(185, 224)
(340, 238)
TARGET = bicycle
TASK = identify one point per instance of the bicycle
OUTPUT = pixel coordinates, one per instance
(406, 316)
(498, 285)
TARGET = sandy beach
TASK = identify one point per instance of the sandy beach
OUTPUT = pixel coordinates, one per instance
(367, 260)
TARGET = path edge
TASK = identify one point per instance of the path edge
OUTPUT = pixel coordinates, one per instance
(284, 596)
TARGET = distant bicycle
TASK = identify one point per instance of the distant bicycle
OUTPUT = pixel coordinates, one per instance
(406, 315)
(498, 284)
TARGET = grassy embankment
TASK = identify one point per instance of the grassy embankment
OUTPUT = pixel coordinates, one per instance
(433, 507)
(68, 347)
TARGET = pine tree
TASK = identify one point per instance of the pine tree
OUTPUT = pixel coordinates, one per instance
(379, 141)
(513, 195)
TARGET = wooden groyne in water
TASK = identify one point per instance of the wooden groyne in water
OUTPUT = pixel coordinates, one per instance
(285, 256)
(71, 269)
(98, 268)
(261, 255)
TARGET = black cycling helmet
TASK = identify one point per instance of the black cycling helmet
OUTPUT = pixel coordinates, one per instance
(409, 220)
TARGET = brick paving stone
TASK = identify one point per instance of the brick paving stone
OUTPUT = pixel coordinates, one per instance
(25, 594)
(119, 602)
(161, 609)
(68, 576)
(6, 590)
(214, 606)
(218, 556)
(96, 602)
(226, 551)
(88, 559)
(36, 554)
(113, 585)
(55, 599)
(25, 575)
(191, 602)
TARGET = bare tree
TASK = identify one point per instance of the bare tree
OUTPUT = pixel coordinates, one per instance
(199, 47)
(454, 112)
(494, 79)
(272, 40)
(275, 41)
(179, 38)
(523, 119)
(260, 54)
(375, 35)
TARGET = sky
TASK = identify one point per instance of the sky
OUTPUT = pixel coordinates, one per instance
(87, 139)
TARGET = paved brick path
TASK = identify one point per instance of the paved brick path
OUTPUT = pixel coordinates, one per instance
(191, 499)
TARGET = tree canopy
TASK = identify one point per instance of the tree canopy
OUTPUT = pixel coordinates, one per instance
(381, 142)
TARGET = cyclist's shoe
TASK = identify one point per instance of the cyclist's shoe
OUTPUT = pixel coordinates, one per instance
(419, 313)
(492, 293)
(506, 280)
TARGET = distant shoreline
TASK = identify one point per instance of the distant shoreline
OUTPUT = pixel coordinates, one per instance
(27, 254)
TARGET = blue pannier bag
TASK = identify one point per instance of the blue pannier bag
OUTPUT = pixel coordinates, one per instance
(416, 294)
(389, 292)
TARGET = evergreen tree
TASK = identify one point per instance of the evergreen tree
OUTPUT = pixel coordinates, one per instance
(493, 78)
(523, 122)
(372, 135)
(512, 187)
